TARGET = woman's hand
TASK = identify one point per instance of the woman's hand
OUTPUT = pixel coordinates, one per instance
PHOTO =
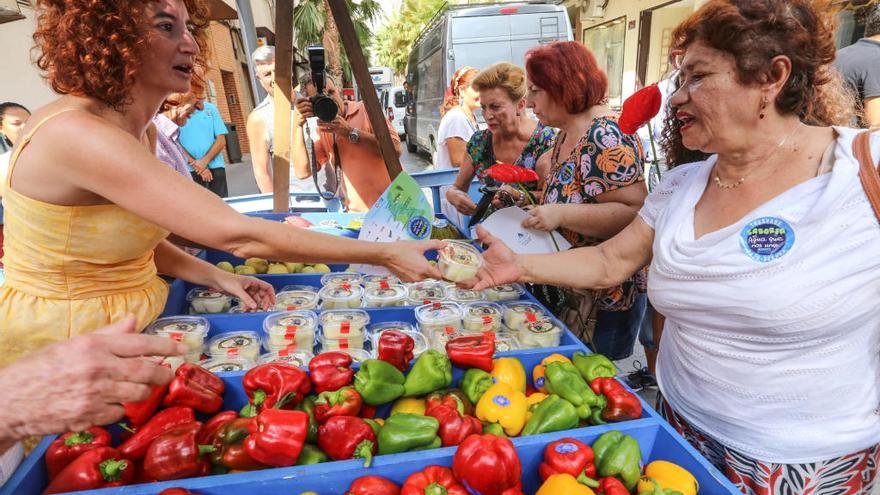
(461, 201)
(406, 260)
(544, 217)
(500, 264)
(253, 292)
(508, 196)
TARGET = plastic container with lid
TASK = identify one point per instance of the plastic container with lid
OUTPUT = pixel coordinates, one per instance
(341, 296)
(509, 292)
(460, 295)
(505, 342)
(226, 364)
(296, 297)
(209, 301)
(290, 329)
(343, 343)
(385, 296)
(419, 340)
(342, 278)
(482, 317)
(293, 357)
(379, 280)
(357, 355)
(342, 323)
(437, 316)
(545, 332)
(245, 344)
(440, 337)
(191, 330)
(518, 314)
(426, 293)
(459, 261)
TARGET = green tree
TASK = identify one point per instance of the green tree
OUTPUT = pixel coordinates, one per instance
(394, 40)
(313, 24)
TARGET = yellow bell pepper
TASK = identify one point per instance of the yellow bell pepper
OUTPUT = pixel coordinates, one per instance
(669, 476)
(538, 371)
(408, 406)
(511, 372)
(533, 400)
(563, 484)
(380, 421)
(503, 405)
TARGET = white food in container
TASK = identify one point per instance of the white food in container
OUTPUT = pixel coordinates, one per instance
(209, 301)
(437, 316)
(379, 280)
(509, 292)
(459, 261)
(290, 329)
(518, 314)
(482, 317)
(190, 330)
(460, 295)
(224, 365)
(244, 345)
(342, 278)
(341, 296)
(385, 296)
(426, 293)
(298, 358)
(296, 298)
(339, 324)
(541, 333)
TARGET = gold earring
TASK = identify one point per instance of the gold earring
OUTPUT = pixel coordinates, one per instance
(762, 114)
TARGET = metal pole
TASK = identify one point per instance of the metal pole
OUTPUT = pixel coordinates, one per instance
(249, 33)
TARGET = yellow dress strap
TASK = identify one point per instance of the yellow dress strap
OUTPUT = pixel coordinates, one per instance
(26, 139)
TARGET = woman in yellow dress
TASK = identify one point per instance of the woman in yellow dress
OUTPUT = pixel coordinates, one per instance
(89, 207)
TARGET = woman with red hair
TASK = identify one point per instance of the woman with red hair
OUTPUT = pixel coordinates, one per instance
(84, 248)
(594, 189)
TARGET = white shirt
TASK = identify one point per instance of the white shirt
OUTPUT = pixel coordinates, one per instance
(454, 124)
(265, 111)
(777, 359)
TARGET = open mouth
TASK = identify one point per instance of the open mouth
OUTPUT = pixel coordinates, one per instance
(685, 120)
(184, 68)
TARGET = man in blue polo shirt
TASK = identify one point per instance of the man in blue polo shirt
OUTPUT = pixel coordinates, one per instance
(203, 138)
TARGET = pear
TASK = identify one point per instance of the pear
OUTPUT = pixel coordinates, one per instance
(259, 264)
(245, 270)
(277, 268)
(226, 266)
(294, 267)
(308, 269)
(322, 268)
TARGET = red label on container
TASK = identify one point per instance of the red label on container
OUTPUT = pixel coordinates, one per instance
(449, 330)
(384, 284)
(487, 319)
(345, 327)
(232, 352)
(345, 285)
(343, 344)
(531, 318)
(283, 353)
(176, 336)
(290, 333)
(291, 308)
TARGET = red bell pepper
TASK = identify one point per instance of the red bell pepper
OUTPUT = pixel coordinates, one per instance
(348, 437)
(229, 452)
(451, 397)
(373, 485)
(213, 426)
(454, 427)
(177, 454)
(568, 456)
(277, 437)
(97, 468)
(139, 413)
(195, 387)
(433, 480)
(274, 386)
(176, 491)
(472, 351)
(344, 402)
(396, 348)
(135, 448)
(488, 465)
(331, 371)
(368, 411)
(622, 404)
(612, 486)
(66, 448)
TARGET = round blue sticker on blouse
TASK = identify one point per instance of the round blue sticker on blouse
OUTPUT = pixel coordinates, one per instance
(766, 238)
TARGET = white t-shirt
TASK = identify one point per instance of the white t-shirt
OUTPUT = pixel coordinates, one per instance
(772, 336)
(454, 124)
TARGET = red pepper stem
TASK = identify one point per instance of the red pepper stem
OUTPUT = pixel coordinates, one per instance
(126, 428)
(435, 489)
(259, 398)
(112, 469)
(282, 401)
(528, 196)
(364, 451)
(206, 449)
(654, 162)
(79, 438)
(586, 480)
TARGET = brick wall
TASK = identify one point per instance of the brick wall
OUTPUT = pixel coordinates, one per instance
(232, 96)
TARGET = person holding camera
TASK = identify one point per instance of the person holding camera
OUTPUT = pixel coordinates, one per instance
(345, 141)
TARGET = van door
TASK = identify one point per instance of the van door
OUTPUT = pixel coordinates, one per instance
(533, 29)
(480, 41)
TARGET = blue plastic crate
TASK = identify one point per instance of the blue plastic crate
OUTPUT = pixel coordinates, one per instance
(656, 438)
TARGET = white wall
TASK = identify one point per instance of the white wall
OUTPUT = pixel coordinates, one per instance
(20, 79)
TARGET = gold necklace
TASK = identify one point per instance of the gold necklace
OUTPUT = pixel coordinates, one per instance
(742, 179)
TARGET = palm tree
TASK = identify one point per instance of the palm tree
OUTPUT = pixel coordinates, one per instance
(394, 40)
(313, 24)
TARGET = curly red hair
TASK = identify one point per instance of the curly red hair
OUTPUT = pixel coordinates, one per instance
(568, 71)
(93, 47)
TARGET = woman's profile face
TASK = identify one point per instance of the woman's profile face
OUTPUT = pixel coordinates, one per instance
(470, 97)
(499, 110)
(546, 109)
(12, 122)
(171, 49)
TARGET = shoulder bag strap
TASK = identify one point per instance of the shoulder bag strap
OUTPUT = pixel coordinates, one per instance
(869, 173)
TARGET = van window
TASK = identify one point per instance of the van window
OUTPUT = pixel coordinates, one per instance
(400, 99)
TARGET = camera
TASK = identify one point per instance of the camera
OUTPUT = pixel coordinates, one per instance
(323, 106)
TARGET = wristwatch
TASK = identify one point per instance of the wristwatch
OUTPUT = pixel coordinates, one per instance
(354, 135)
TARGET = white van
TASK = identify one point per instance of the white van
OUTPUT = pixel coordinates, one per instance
(396, 108)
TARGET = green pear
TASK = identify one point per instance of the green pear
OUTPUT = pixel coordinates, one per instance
(277, 269)
(294, 267)
(245, 270)
(322, 268)
(226, 266)
(308, 269)
(259, 264)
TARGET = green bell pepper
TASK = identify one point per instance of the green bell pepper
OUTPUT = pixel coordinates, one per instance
(494, 429)
(595, 418)
(311, 454)
(378, 382)
(475, 383)
(432, 371)
(308, 406)
(593, 366)
(551, 414)
(618, 455)
(562, 378)
(407, 432)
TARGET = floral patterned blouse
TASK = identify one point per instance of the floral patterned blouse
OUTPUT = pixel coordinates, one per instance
(483, 155)
(604, 159)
